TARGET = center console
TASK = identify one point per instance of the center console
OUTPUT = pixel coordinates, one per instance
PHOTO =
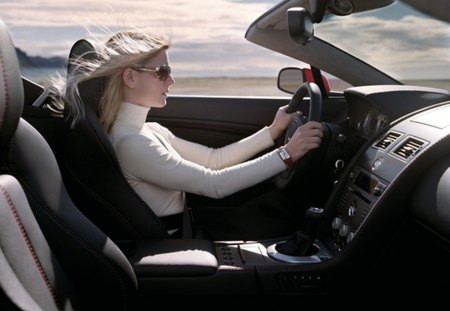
(358, 197)
(365, 204)
(299, 264)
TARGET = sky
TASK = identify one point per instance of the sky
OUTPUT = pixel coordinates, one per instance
(398, 39)
(208, 35)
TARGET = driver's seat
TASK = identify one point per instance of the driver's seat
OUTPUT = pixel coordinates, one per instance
(93, 175)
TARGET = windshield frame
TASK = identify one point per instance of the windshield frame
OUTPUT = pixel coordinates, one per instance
(270, 31)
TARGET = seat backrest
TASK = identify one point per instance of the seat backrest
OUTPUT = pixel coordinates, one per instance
(97, 268)
(31, 276)
(92, 172)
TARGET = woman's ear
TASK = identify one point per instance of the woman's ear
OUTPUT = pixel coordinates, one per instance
(128, 78)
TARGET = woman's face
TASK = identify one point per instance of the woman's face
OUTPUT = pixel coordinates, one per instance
(147, 88)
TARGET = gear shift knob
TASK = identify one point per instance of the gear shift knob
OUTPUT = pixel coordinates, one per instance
(299, 243)
(311, 220)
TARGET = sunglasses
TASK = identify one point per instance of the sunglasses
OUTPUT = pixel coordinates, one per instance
(162, 72)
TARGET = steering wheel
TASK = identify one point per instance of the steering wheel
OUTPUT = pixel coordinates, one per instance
(284, 179)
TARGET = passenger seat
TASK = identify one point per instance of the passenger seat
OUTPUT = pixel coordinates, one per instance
(31, 277)
(98, 270)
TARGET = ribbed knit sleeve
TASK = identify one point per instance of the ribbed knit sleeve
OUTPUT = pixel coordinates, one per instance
(217, 158)
(148, 159)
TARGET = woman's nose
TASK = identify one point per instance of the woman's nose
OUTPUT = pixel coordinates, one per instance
(171, 80)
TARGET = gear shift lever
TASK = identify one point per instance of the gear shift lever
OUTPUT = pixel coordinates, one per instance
(299, 243)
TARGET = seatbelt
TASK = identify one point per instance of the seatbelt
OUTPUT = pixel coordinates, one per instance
(187, 232)
(172, 222)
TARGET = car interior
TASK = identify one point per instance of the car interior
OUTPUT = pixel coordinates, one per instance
(373, 200)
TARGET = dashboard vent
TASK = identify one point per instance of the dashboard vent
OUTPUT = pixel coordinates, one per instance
(387, 140)
(409, 148)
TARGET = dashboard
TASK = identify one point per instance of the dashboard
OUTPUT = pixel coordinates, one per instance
(367, 120)
(376, 189)
(373, 108)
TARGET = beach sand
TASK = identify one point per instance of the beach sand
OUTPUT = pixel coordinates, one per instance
(226, 86)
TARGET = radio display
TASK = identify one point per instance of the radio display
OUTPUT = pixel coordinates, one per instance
(366, 182)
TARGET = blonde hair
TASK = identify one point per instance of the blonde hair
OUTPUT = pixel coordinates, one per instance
(123, 50)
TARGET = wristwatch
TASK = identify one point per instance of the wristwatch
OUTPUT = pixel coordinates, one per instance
(285, 156)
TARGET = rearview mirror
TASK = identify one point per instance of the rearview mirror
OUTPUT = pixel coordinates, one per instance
(300, 25)
(290, 78)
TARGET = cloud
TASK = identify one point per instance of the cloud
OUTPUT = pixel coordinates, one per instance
(201, 31)
(208, 35)
(218, 59)
(409, 43)
(186, 18)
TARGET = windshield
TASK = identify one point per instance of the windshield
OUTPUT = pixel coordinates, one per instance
(400, 41)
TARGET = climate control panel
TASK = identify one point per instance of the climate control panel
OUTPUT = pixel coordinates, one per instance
(356, 202)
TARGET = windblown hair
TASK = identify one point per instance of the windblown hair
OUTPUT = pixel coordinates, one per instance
(123, 50)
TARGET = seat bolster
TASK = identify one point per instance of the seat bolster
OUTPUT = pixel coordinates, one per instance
(95, 265)
(11, 87)
(33, 269)
(12, 292)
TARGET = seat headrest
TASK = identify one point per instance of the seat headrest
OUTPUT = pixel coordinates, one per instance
(11, 87)
(84, 49)
(91, 90)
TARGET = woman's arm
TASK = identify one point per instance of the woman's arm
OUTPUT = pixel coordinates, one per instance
(217, 158)
(149, 161)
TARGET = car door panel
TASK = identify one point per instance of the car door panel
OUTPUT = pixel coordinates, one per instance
(218, 121)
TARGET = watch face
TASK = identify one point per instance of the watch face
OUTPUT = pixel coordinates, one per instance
(284, 155)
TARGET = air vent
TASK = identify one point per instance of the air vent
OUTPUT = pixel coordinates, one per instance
(387, 140)
(409, 148)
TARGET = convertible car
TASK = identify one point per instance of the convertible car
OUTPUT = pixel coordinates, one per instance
(373, 202)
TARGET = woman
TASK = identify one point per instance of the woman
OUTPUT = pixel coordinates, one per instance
(160, 166)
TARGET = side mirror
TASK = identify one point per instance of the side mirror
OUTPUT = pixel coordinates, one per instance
(300, 25)
(290, 78)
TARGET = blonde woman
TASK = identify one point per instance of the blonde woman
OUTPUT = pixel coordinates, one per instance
(160, 166)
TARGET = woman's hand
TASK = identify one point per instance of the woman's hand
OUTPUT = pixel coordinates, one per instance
(305, 138)
(281, 121)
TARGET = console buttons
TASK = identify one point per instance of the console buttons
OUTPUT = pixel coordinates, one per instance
(336, 223)
(227, 255)
(379, 189)
(350, 237)
(353, 174)
(344, 230)
(352, 209)
(377, 163)
(297, 282)
(229, 262)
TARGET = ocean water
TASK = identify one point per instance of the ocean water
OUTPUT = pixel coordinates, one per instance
(237, 86)
(229, 86)
(42, 75)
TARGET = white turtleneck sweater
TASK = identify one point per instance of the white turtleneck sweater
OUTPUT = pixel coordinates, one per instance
(161, 167)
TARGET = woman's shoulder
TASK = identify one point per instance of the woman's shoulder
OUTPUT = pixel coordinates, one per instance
(134, 142)
(155, 126)
(158, 128)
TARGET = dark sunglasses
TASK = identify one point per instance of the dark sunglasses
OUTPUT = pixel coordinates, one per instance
(162, 72)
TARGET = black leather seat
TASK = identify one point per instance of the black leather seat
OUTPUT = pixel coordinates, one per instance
(94, 177)
(98, 270)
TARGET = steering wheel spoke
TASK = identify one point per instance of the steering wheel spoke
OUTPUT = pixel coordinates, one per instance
(284, 179)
